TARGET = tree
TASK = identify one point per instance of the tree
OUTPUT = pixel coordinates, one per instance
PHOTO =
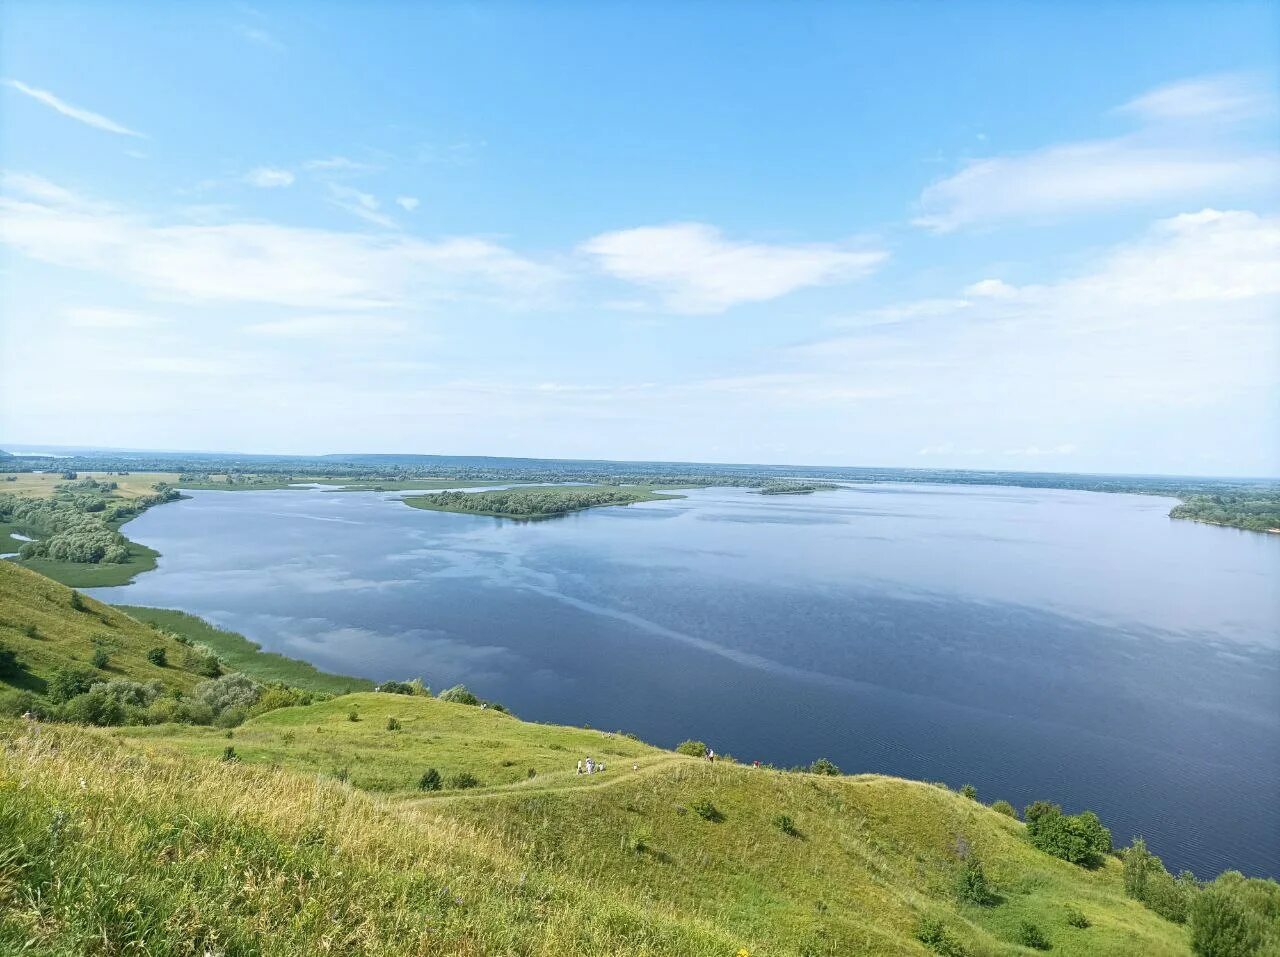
(824, 766)
(459, 694)
(1079, 838)
(971, 883)
(158, 657)
(694, 749)
(66, 683)
(1004, 807)
(100, 658)
(970, 792)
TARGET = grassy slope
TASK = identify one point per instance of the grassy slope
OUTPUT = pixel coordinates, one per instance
(66, 636)
(238, 653)
(875, 853)
(139, 840)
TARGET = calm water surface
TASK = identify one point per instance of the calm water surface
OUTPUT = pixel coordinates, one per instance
(1070, 645)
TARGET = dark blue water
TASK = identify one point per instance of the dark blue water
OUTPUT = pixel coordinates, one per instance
(1038, 644)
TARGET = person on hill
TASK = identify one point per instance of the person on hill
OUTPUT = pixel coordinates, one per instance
(711, 755)
(591, 766)
(579, 765)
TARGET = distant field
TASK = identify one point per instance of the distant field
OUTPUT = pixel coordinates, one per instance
(131, 485)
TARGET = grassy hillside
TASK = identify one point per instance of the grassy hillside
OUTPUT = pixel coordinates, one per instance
(40, 625)
(306, 830)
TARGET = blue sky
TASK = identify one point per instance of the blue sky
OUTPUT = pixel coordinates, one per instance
(1035, 236)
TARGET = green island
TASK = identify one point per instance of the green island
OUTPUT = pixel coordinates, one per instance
(1255, 512)
(174, 790)
(535, 502)
(796, 488)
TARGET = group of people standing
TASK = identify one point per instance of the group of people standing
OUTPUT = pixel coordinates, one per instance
(590, 766)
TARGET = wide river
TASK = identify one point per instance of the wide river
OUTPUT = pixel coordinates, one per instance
(1075, 646)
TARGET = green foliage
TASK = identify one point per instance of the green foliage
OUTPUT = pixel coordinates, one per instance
(100, 658)
(787, 825)
(430, 780)
(463, 780)
(393, 724)
(109, 703)
(353, 715)
(1236, 916)
(1078, 838)
(1004, 807)
(1257, 510)
(158, 657)
(1146, 880)
(824, 766)
(77, 601)
(414, 687)
(229, 694)
(971, 885)
(796, 488)
(1030, 935)
(67, 682)
(229, 754)
(707, 811)
(933, 934)
(532, 502)
(694, 749)
(459, 694)
(970, 792)
(1077, 919)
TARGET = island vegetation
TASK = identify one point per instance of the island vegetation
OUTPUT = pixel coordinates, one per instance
(796, 488)
(165, 792)
(1257, 511)
(535, 502)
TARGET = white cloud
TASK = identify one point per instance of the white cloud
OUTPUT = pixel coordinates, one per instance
(262, 262)
(991, 289)
(88, 117)
(1229, 98)
(329, 327)
(364, 205)
(1168, 158)
(269, 177)
(409, 203)
(698, 271)
(260, 37)
(93, 317)
(337, 164)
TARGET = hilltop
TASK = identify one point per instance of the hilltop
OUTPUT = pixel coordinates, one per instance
(288, 821)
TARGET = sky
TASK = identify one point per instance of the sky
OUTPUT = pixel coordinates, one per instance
(1037, 236)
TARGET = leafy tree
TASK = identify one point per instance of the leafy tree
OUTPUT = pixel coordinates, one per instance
(66, 683)
(227, 692)
(1004, 807)
(971, 883)
(695, 749)
(970, 792)
(824, 766)
(1078, 838)
(1236, 916)
(459, 694)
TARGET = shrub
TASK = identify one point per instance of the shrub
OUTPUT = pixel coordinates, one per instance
(1005, 808)
(459, 694)
(1236, 916)
(14, 704)
(971, 883)
(1076, 919)
(201, 661)
(77, 601)
(158, 657)
(229, 754)
(463, 780)
(31, 631)
(100, 658)
(1078, 838)
(695, 749)
(413, 687)
(707, 811)
(430, 780)
(1029, 935)
(234, 691)
(785, 824)
(66, 683)
(393, 724)
(933, 934)
(277, 695)
(353, 715)
(823, 766)
(970, 792)
(1146, 880)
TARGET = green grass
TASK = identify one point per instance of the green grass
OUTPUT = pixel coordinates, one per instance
(238, 653)
(537, 501)
(100, 575)
(66, 637)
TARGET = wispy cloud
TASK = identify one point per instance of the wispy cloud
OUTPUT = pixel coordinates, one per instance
(329, 327)
(696, 270)
(408, 203)
(94, 317)
(269, 177)
(88, 117)
(260, 37)
(1168, 157)
(366, 206)
(341, 164)
(259, 262)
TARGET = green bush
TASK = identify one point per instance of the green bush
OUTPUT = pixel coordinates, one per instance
(933, 934)
(971, 885)
(785, 824)
(695, 749)
(100, 658)
(1005, 808)
(459, 694)
(353, 715)
(707, 811)
(1146, 880)
(229, 754)
(393, 724)
(1077, 919)
(1029, 935)
(430, 780)
(823, 766)
(234, 693)
(463, 780)
(67, 682)
(1078, 838)
(1236, 916)
(413, 687)
(970, 792)
(77, 601)
(158, 657)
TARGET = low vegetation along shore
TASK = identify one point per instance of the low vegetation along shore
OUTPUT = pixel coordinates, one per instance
(537, 501)
(173, 790)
